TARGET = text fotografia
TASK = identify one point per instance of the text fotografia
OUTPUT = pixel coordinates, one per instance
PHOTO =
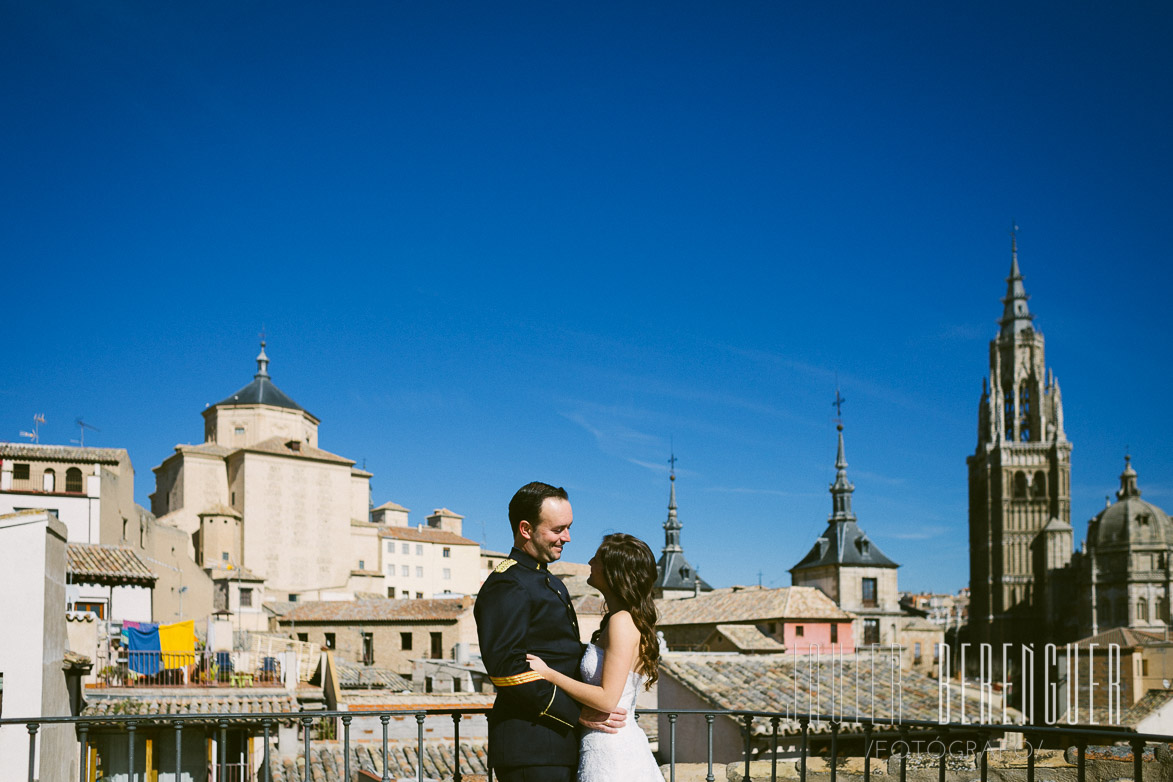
(938, 749)
(1069, 682)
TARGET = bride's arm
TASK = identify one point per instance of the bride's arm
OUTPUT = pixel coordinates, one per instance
(619, 654)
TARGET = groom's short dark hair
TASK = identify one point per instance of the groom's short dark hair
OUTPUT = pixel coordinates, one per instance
(527, 503)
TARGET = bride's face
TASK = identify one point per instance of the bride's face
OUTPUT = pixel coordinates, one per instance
(596, 578)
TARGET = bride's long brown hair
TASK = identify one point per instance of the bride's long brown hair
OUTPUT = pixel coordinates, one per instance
(629, 569)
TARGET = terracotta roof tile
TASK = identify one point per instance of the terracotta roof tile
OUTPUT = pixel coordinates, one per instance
(101, 564)
(355, 676)
(61, 453)
(366, 762)
(427, 535)
(385, 610)
(280, 447)
(104, 704)
(750, 604)
(783, 682)
(1124, 637)
(749, 638)
(391, 506)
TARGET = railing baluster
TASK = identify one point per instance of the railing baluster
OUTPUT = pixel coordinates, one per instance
(178, 750)
(1030, 760)
(419, 755)
(346, 746)
(985, 739)
(32, 728)
(306, 722)
(266, 775)
(1137, 760)
(834, 749)
(749, 741)
(83, 759)
(672, 747)
(774, 749)
(806, 724)
(130, 729)
(385, 719)
(709, 729)
(223, 750)
(944, 739)
(867, 751)
(456, 777)
(1081, 770)
(904, 737)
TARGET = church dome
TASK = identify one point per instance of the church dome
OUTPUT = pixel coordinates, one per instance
(1130, 520)
(261, 391)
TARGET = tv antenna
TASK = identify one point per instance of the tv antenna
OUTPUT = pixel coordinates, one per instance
(35, 434)
(82, 425)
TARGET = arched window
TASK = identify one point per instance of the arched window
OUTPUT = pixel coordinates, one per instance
(1142, 610)
(73, 480)
(1019, 485)
(1159, 609)
(49, 482)
(1038, 487)
(1008, 413)
(1024, 413)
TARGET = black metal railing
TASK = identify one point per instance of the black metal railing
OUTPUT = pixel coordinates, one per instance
(837, 736)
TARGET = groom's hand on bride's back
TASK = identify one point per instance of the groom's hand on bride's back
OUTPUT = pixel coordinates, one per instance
(601, 720)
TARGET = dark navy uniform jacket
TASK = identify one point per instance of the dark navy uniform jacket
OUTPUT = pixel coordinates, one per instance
(523, 608)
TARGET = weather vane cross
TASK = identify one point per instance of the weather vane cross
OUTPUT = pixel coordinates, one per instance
(672, 462)
(838, 403)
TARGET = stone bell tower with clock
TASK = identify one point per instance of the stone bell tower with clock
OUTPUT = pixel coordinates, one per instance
(1019, 483)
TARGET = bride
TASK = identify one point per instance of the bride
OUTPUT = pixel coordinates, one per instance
(622, 656)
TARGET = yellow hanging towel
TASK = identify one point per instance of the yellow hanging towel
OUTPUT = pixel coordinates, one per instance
(177, 644)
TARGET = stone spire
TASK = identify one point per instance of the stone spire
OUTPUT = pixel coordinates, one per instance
(1015, 314)
(1128, 487)
(841, 489)
(262, 363)
(672, 525)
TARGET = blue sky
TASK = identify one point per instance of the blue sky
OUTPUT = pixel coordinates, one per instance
(493, 242)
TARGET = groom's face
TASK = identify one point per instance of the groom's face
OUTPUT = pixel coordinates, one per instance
(545, 540)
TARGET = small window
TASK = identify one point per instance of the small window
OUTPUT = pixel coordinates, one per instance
(303, 637)
(293, 598)
(246, 598)
(224, 555)
(447, 573)
(49, 481)
(834, 633)
(330, 640)
(1142, 610)
(871, 631)
(868, 590)
(457, 684)
(405, 549)
(390, 548)
(404, 571)
(368, 648)
(93, 608)
(419, 549)
(390, 591)
(447, 552)
(72, 479)
(437, 646)
(419, 572)
(419, 595)
(362, 564)
(238, 431)
(799, 630)
(916, 652)
(405, 641)
(20, 472)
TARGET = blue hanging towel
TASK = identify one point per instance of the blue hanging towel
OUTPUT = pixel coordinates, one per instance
(143, 648)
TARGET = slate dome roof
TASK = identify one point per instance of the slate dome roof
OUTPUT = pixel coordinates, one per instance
(261, 391)
(1130, 520)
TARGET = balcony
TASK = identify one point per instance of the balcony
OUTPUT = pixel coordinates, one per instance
(191, 669)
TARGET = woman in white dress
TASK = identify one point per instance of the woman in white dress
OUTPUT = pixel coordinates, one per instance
(621, 657)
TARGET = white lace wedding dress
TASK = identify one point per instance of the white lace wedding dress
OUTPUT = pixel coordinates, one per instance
(615, 757)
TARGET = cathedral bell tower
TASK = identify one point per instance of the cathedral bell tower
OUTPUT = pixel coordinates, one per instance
(1019, 477)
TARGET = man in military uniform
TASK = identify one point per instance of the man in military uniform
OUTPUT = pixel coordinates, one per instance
(522, 608)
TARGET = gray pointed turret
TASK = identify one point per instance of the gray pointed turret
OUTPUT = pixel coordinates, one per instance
(676, 577)
(1016, 316)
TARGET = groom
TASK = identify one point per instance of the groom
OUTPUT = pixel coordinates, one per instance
(522, 608)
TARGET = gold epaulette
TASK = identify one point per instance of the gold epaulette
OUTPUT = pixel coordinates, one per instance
(504, 565)
(513, 681)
